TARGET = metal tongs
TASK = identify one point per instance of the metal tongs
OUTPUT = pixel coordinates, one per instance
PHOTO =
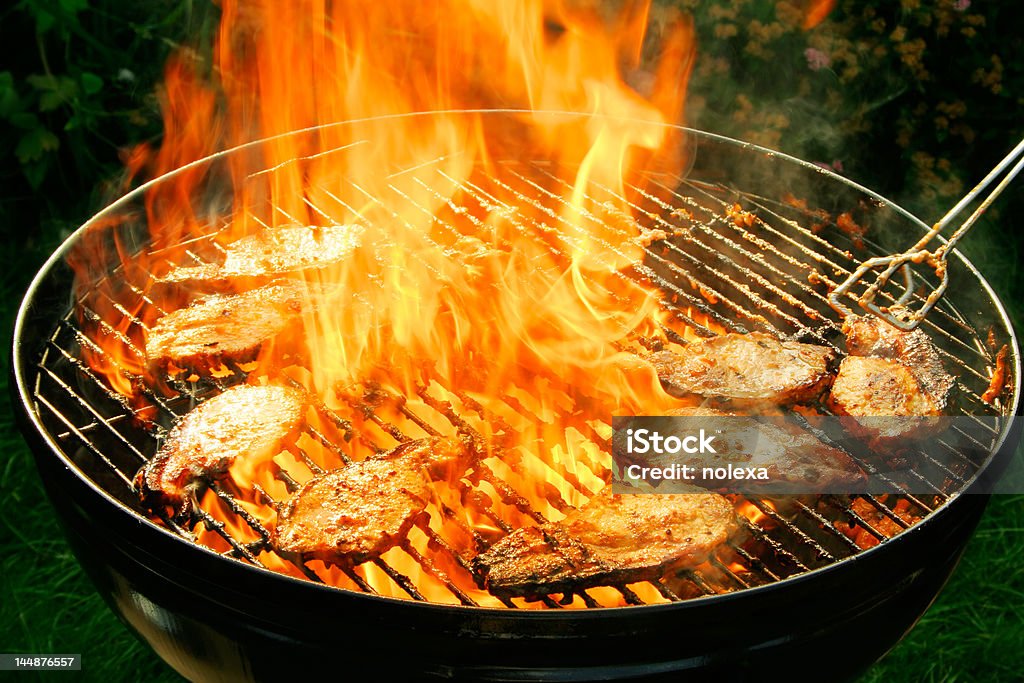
(917, 254)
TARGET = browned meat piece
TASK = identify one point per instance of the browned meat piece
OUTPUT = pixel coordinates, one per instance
(746, 369)
(254, 259)
(875, 337)
(795, 459)
(613, 538)
(245, 421)
(887, 399)
(355, 513)
(222, 327)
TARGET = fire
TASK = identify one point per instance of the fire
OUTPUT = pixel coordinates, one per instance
(489, 271)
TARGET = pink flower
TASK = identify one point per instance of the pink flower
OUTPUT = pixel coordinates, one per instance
(816, 59)
(961, 5)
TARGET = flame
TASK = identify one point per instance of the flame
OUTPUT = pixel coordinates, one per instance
(489, 270)
(816, 11)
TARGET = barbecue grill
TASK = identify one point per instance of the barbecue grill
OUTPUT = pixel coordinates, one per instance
(752, 239)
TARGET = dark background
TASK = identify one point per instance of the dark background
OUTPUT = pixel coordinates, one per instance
(914, 99)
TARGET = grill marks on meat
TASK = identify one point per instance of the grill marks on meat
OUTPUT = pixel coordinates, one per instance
(611, 539)
(914, 349)
(355, 513)
(886, 397)
(746, 369)
(879, 386)
(242, 422)
(252, 260)
(894, 382)
(223, 327)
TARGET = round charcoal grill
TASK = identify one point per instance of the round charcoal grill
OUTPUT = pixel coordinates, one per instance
(813, 587)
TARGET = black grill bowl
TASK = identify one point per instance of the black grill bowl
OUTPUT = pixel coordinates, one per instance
(213, 618)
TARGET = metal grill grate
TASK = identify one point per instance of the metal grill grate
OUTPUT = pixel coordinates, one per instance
(716, 268)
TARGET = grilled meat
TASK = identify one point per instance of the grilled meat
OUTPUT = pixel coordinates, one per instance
(746, 369)
(255, 259)
(611, 539)
(793, 457)
(222, 327)
(876, 338)
(355, 513)
(242, 422)
(886, 398)
(893, 383)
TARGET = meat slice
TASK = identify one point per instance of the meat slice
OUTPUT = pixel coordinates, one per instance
(355, 513)
(887, 399)
(746, 369)
(611, 539)
(242, 422)
(255, 259)
(203, 335)
(795, 459)
(893, 383)
(870, 336)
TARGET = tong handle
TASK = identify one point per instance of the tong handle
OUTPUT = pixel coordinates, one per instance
(920, 254)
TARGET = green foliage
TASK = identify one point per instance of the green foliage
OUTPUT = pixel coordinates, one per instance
(79, 90)
(915, 99)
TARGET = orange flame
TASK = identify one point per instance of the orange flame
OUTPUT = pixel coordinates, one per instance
(491, 249)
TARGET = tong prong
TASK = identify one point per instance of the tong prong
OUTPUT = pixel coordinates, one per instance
(919, 254)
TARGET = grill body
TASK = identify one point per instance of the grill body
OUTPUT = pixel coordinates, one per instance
(216, 618)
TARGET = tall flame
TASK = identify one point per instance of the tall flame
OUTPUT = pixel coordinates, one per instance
(493, 251)
(534, 289)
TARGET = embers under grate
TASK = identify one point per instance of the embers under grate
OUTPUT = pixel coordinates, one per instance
(732, 261)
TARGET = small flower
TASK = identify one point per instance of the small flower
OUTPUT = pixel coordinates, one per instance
(961, 5)
(126, 76)
(816, 59)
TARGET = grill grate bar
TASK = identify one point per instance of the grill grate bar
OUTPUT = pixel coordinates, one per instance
(722, 567)
(930, 324)
(431, 568)
(777, 548)
(784, 523)
(42, 400)
(401, 579)
(753, 257)
(770, 248)
(754, 562)
(826, 524)
(887, 511)
(642, 271)
(475, 191)
(88, 407)
(698, 581)
(757, 300)
(218, 527)
(665, 591)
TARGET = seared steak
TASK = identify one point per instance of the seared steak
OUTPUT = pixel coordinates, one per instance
(355, 513)
(611, 539)
(255, 259)
(242, 422)
(886, 397)
(746, 369)
(876, 338)
(201, 336)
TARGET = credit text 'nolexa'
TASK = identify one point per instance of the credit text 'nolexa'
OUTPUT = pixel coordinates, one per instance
(647, 441)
